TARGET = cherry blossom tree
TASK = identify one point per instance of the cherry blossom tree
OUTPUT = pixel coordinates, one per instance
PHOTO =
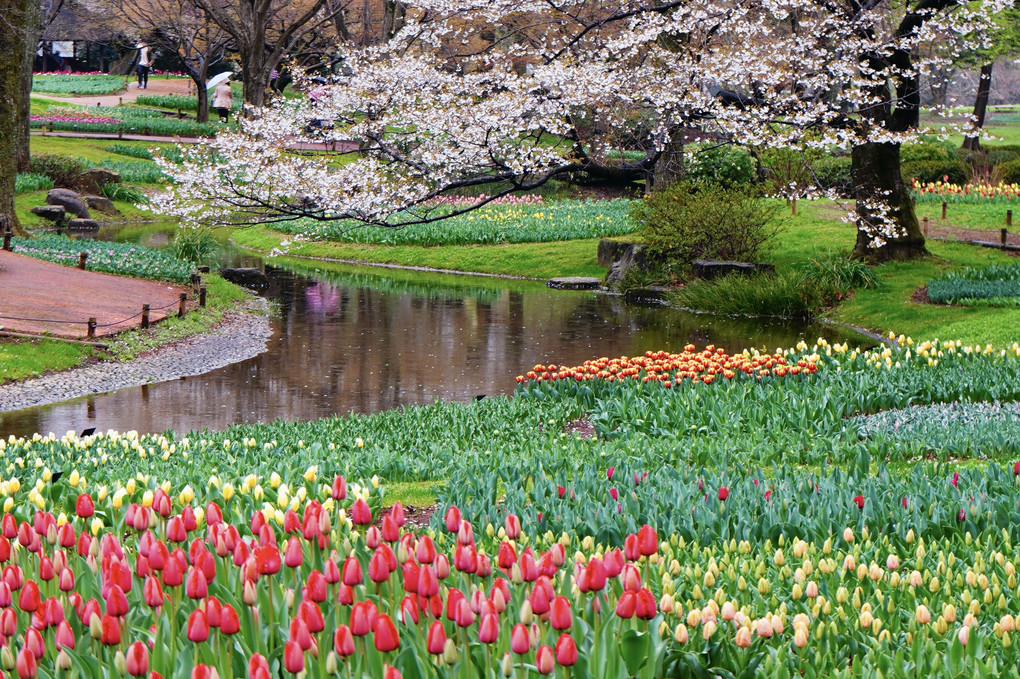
(509, 94)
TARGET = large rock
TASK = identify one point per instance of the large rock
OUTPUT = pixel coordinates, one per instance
(632, 257)
(103, 204)
(53, 213)
(610, 250)
(653, 294)
(83, 225)
(573, 283)
(249, 278)
(94, 179)
(713, 268)
(69, 200)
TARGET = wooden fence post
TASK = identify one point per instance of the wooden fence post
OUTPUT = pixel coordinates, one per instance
(924, 226)
(793, 205)
(145, 316)
(943, 209)
(180, 307)
(201, 296)
(1009, 218)
(91, 332)
(82, 258)
(196, 282)
(1003, 234)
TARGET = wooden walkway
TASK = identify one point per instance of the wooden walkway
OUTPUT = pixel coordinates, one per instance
(42, 297)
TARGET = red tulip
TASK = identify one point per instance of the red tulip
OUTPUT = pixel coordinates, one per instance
(267, 557)
(425, 551)
(29, 599)
(488, 630)
(566, 651)
(630, 547)
(390, 528)
(138, 659)
(544, 661)
(175, 531)
(392, 673)
(292, 555)
(300, 634)
(111, 631)
(378, 568)
(256, 664)
(196, 587)
(724, 493)
(559, 614)
(293, 657)
(26, 665)
(361, 515)
(343, 640)
(152, 592)
(409, 610)
(202, 671)
(362, 618)
(520, 640)
(646, 608)
(352, 572)
(34, 642)
(529, 569)
(46, 572)
(859, 501)
(230, 624)
(626, 607)
(64, 636)
(648, 540)
(386, 637)
(116, 602)
(198, 626)
(436, 639)
(339, 489)
(173, 573)
(316, 587)
(631, 578)
(214, 612)
(66, 536)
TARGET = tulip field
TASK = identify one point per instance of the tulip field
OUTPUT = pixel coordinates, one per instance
(817, 511)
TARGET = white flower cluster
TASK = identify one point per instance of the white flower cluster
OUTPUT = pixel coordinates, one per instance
(471, 92)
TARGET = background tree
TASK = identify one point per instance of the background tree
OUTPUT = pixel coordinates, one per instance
(1003, 42)
(183, 28)
(263, 32)
(509, 94)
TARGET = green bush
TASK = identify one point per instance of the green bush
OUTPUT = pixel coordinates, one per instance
(63, 171)
(197, 246)
(26, 182)
(837, 271)
(789, 295)
(1009, 172)
(833, 173)
(998, 155)
(926, 171)
(687, 222)
(725, 165)
(118, 191)
(783, 169)
(928, 150)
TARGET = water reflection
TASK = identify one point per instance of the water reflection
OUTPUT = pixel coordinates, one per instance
(361, 339)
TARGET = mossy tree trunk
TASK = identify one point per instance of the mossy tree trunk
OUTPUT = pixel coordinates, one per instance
(980, 106)
(14, 14)
(875, 169)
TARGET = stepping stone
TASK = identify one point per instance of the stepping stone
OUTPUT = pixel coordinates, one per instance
(83, 225)
(103, 204)
(247, 277)
(573, 283)
(713, 268)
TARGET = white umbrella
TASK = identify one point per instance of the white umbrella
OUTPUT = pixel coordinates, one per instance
(217, 79)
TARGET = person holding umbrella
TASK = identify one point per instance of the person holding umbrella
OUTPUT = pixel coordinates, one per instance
(144, 63)
(223, 99)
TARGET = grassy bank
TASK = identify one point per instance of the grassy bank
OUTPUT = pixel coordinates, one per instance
(532, 260)
(22, 359)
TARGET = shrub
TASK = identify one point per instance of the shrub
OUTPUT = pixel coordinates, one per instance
(784, 169)
(1006, 153)
(928, 150)
(833, 173)
(925, 171)
(788, 295)
(837, 271)
(30, 181)
(63, 171)
(687, 222)
(726, 166)
(1010, 172)
(118, 191)
(197, 246)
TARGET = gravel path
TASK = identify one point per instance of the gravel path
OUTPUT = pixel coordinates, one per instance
(238, 338)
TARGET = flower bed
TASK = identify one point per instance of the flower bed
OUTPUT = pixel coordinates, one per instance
(526, 221)
(106, 257)
(68, 83)
(995, 285)
(658, 548)
(964, 193)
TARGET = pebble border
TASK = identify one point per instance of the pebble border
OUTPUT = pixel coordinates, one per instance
(238, 337)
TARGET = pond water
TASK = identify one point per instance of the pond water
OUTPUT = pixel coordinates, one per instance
(366, 339)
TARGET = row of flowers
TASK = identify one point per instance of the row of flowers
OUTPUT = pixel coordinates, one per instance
(970, 192)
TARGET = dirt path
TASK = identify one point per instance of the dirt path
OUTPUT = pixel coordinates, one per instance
(34, 289)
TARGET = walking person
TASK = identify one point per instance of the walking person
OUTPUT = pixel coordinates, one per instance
(223, 100)
(144, 63)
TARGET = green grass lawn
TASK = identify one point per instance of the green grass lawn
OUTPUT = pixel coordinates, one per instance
(969, 215)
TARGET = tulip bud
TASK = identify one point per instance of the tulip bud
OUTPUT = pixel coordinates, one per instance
(507, 665)
(64, 662)
(120, 663)
(7, 658)
(450, 654)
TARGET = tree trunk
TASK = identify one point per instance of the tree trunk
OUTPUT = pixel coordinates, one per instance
(669, 169)
(980, 106)
(876, 174)
(255, 77)
(12, 32)
(30, 43)
(202, 115)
